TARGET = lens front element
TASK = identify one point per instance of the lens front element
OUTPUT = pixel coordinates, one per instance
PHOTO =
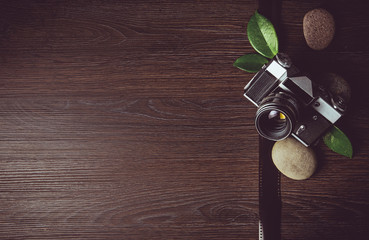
(277, 120)
(276, 116)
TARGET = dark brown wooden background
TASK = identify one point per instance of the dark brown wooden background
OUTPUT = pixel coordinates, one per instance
(125, 120)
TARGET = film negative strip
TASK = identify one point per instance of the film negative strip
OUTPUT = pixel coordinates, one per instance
(269, 194)
(269, 177)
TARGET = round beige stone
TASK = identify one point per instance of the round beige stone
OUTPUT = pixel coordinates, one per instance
(319, 27)
(293, 159)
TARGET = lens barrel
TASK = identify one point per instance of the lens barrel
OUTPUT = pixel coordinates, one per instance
(276, 116)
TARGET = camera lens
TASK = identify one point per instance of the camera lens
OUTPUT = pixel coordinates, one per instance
(276, 116)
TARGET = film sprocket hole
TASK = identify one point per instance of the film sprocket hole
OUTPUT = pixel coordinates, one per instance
(290, 103)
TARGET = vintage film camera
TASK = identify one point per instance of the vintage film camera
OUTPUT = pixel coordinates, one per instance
(289, 103)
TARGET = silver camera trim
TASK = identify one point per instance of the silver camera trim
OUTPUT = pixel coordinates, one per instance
(277, 71)
(326, 110)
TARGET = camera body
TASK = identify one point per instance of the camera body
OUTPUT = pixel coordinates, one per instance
(289, 103)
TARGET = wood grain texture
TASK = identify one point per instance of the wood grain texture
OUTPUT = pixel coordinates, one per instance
(125, 120)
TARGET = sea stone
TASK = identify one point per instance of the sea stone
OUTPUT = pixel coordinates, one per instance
(318, 25)
(337, 85)
(293, 159)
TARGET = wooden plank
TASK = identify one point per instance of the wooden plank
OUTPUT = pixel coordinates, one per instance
(127, 121)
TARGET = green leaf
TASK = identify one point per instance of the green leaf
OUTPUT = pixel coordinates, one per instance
(262, 35)
(336, 140)
(250, 62)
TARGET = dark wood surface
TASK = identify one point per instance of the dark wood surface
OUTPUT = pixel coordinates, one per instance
(125, 120)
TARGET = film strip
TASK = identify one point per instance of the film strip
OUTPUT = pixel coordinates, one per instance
(269, 177)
